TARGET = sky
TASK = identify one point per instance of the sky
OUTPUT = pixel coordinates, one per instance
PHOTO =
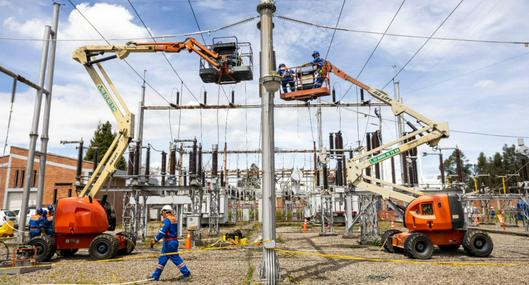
(475, 87)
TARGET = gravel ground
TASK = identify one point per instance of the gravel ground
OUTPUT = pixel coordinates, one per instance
(239, 266)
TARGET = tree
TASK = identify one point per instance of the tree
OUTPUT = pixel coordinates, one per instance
(102, 139)
(450, 165)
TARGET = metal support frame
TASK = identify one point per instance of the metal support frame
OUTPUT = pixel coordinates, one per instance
(46, 65)
(348, 214)
(368, 218)
(257, 106)
(135, 213)
(327, 214)
(214, 209)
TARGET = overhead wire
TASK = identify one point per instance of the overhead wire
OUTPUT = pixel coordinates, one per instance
(334, 31)
(424, 44)
(458, 76)
(524, 43)
(367, 62)
(162, 37)
(195, 17)
(124, 60)
(163, 53)
(380, 40)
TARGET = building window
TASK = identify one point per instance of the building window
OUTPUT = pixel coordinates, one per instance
(55, 196)
(22, 179)
(16, 179)
(34, 178)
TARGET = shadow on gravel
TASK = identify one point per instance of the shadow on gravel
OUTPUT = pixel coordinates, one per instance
(314, 271)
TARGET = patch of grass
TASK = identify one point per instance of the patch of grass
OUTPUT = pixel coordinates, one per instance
(292, 279)
(249, 275)
(378, 277)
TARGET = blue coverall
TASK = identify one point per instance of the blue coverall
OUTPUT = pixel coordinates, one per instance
(169, 233)
(287, 79)
(35, 223)
(319, 64)
(48, 224)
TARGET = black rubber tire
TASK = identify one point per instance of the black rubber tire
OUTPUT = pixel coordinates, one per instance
(103, 246)
(387, 239)
(449, 247)
(477, 244)
(67, 252)
(45, 246)
(418, 246)
(131, 243)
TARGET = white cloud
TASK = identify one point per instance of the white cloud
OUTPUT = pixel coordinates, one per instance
(486, 83)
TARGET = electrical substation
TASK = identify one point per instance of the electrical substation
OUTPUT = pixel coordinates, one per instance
(266, 168)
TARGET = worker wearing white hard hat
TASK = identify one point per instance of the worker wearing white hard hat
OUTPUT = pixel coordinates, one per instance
(169, 234)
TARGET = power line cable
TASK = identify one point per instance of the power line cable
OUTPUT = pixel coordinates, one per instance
(376, 47)
(196, 20)
(525, 43)
(380, 40)
(424, 44)
(162, 37)
(124, 60)
(334, 31)
(163, 53)
(468, 72)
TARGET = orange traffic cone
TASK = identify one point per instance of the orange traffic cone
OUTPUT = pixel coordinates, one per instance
(189, 241)
(305, 226)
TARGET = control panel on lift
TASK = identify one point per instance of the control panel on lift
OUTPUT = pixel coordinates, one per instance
(235, 59)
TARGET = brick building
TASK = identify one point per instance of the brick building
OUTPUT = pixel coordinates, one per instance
(60, 180)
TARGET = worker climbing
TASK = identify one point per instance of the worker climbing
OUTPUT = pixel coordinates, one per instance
(169, 234)
(287, 78)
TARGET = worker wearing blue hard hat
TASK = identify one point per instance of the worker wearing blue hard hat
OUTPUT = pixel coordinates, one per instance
(318, 63)
(35, 223)
(287, 78)
(48, 223)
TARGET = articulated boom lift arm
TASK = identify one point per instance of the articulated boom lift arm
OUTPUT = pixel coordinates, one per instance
(430, 133)
(90, 57)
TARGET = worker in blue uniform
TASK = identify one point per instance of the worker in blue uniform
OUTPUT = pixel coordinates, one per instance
(48, 223)
(318, 63)
(287, 78)
(35, 223)
(169, 234)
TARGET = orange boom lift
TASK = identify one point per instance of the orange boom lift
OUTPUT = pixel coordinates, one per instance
(82, 222)
(431, 219)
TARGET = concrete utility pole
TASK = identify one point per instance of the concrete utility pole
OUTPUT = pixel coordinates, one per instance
(269, 84)
(49, 41)
(139, 133)
(44, 138)
(400, 130)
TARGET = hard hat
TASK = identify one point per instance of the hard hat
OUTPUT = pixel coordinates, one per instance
(282, 65)
(50, 207)
(167, 208)
(39, 211)
(315, 53)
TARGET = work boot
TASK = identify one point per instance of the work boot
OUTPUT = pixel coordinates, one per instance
(184, 278)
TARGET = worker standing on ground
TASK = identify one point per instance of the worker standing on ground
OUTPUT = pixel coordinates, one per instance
(318, 63)
(169, 234)
(48, 223)
(35, 224)
(287, 78)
